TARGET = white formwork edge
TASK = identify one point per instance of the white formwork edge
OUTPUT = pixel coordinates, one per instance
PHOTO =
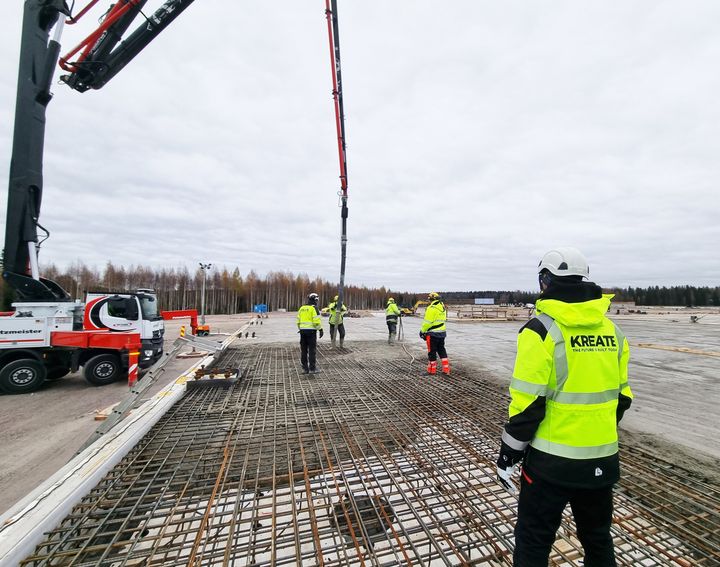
(24, 525)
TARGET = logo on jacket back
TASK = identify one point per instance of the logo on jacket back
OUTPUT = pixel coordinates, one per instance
(592, 342)
(598, 471)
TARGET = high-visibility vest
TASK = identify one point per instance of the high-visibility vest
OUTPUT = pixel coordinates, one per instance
(580, 368)
(335, 317)
(308, 318)
(435, 317)
(392, 312)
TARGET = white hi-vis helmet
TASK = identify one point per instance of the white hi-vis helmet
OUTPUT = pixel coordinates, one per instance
(565, 261)
(391, 300)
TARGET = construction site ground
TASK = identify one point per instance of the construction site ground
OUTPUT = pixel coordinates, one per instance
(672, 424)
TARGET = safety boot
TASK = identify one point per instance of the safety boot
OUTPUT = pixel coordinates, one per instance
(445, 366)
(432, 367)
(332, 342)
(341, 342)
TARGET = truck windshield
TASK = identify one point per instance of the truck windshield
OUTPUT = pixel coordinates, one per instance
(149, 306)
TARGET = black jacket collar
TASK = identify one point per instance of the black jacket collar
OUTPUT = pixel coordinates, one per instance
(572, 292)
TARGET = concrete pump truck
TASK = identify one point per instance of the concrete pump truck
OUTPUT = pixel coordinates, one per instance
(48, 334)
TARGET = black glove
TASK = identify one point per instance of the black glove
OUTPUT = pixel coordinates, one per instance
(506, 463)
(422, 335)
(509, 456)
(321, 333)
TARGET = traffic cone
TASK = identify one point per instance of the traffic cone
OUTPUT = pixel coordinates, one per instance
(432, 367)
(445, 366)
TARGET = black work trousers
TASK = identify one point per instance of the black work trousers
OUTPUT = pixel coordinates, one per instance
(436, 346)
(337, 329)
(308, 347)
(540, 510)
(392, 326)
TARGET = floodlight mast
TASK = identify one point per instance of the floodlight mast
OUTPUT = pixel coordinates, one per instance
(204, 268)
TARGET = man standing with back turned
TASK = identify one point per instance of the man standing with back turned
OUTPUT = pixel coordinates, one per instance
(309, 323)
(392, 312)
(568, 392)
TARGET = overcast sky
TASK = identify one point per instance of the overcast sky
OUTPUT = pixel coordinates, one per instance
(480, 134)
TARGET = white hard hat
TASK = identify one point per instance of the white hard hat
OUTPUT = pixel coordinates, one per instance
(565, 261)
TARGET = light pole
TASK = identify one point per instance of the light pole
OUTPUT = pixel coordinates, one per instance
(204, 268)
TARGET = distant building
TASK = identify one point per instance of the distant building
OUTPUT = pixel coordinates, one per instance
(484, 301)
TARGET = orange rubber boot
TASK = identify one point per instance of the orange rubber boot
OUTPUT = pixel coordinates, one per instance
(445, 366)
(432, 367)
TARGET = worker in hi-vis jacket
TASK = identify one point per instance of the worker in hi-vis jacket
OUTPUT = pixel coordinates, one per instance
(568, 392)
(433, 332)
(309, 323)
(392, 312)
(337, 325)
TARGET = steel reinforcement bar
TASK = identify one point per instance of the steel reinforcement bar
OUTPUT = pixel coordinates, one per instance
(369, 462)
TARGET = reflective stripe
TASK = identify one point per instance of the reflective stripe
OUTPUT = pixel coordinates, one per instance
(563, 397)
(584, 398)
(513, 443)
(620, 337)
(574, 452)
(624, 385)
(561, 364)
(529, 387)
(306, 325)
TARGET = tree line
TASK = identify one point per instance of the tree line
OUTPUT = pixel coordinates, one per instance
(229, 292)
(678, 295)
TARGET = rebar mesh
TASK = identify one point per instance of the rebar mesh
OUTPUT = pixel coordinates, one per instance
(367, 463)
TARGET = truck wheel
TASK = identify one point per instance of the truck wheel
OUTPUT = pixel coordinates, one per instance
(56, 372)
(102, 369)
(22, 376)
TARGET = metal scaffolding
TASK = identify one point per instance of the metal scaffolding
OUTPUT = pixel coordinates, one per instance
(368, 463)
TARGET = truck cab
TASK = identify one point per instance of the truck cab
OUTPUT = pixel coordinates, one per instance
(128, 311)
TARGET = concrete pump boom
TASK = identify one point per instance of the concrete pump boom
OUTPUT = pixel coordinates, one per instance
(101, 56)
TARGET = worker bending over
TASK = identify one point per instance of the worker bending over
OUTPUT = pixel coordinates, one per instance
(433, 332)
(568, 392)
(392, 312)
(336, 321)
(309, 323)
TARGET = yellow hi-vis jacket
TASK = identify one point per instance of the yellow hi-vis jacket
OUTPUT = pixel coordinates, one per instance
(435, 317)
(335, 317)
(580, 367)
(308, 318)
(392, 312)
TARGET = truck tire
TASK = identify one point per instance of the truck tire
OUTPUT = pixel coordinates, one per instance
(22, 376)
(102, 369)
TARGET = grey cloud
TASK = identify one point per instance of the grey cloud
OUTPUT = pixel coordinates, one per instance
(478, 137)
